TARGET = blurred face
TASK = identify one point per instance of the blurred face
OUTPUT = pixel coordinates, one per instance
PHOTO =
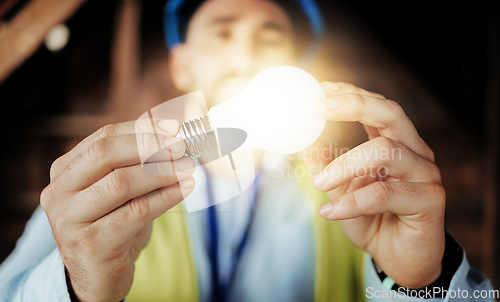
(227, 43)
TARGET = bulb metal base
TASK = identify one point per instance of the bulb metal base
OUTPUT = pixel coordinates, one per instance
(199, 136)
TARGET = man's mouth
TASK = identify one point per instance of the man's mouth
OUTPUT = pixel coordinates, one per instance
(229, 88)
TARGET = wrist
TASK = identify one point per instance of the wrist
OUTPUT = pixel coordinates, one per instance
(76, 293)
(408, 282)
(452, 259)
(71, 291)
(82, 294)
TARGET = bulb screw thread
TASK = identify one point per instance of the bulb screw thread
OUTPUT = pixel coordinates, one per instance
(199, 136)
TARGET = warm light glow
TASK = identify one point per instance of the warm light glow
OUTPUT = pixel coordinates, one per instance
(278, 109)
(57, 37)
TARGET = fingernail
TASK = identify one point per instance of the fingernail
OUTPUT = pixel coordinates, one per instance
(187, 183)
(333, 85)
(320, 179)
(325, 209)
(184, 164)
(175, 146)
(333, 102)
(171, 126)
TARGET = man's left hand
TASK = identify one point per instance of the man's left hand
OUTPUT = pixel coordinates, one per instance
(386, 192)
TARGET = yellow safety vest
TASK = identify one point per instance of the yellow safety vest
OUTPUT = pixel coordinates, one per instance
(165, 269)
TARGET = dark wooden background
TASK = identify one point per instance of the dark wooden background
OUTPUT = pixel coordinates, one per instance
(440, 62)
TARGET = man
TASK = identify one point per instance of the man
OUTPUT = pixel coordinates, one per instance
(101, 205)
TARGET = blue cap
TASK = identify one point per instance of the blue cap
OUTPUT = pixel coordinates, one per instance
(177, 13)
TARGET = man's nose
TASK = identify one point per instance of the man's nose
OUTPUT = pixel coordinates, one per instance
(241, 58)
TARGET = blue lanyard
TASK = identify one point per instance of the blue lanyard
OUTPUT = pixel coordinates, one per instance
(220, 291)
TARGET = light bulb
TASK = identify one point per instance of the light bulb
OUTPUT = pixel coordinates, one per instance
(278, 110)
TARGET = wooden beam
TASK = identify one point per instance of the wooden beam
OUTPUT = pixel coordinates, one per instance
(22, 36)
(6, 6)
(124, 76)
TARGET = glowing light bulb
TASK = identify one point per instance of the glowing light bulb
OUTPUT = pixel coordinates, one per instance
(277, 110)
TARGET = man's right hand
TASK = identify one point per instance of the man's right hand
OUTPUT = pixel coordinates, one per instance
(101, 202)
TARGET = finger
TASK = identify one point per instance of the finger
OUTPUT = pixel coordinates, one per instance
(107, 154)
(124, 223)
(371, 131)
(400, 198)
(125, 184)
(385, 115)
(335, 88)
(381, 156)
(352, 185)
(157, 126)
(317, 157)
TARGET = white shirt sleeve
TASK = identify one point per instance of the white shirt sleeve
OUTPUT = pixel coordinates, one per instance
(34, 271)
(42, 281)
